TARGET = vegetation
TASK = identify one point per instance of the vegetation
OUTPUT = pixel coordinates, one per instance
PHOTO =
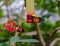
(50, 30)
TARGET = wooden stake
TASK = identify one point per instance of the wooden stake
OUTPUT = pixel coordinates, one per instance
(30, 10)
(30, 6)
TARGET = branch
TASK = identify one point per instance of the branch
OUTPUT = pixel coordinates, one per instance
(32, 33)
(55, 41)
(51, 35)
(29, 33)
(54, 32)
(40, 35)
(20, 20)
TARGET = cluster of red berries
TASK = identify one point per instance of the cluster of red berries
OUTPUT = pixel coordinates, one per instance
(10, 25)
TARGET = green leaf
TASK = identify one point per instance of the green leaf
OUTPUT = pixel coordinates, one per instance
(1, 44)
(16, 39)
(47, 26)
(47, 5)
(12, 40)
(28, 40)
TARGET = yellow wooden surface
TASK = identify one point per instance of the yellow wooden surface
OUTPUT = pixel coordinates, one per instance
(30, 6)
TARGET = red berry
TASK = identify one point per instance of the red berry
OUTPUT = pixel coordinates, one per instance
(9, 21)
(12, 29)
(14, 24)
(10, 25)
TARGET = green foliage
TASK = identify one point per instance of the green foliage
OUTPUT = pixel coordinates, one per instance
(3, 33)
(26, 26)
(57, 35)
(13, 40)
(58, 23)
(16, 39)
(49, 5)
(1, 26)
(47, 26)
(33, 27)
(59, 8)
(3, 36)
(58, 44)
(45, 36)
(28, 40)
(39, 3)
(1, 0)
(1, 13)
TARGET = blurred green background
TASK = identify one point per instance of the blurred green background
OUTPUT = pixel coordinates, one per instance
(49, 10)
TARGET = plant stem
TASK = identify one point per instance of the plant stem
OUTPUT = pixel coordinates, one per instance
(20, 21)
(40, 35)
(9, 38)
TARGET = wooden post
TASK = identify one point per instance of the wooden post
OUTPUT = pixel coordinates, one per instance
(30, 6)
(30, 10)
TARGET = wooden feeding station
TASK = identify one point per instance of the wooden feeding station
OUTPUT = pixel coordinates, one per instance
(30, 6)
(31, 16)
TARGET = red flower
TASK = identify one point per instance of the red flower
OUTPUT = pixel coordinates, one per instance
(14, 24)
(5, 24)
(12, 29)
(7, 27)
(9, 21)
(10, 25)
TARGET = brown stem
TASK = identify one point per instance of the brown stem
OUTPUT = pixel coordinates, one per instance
(54, 32)
(20, 21)
(53, 43)
(40, 35)
(51, 35)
